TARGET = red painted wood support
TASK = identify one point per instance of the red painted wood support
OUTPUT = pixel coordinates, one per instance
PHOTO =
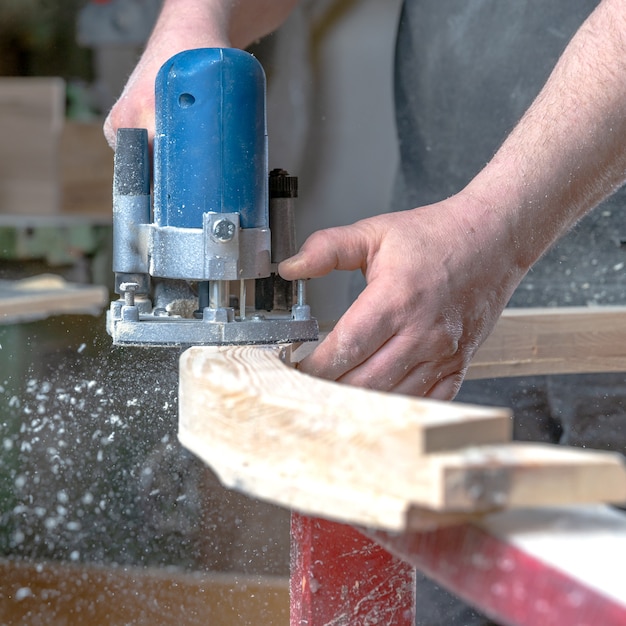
(341, 577)
(503, 581)
(552, 568)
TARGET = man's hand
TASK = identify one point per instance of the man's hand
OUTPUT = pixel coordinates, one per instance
(438, 277)
(436, 284)
(184, 25)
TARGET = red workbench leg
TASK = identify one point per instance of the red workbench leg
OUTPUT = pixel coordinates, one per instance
(340, 577)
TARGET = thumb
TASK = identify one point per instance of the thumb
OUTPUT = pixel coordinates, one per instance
(342, 248)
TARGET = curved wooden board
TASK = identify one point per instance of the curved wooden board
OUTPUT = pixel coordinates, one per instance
(367, 457)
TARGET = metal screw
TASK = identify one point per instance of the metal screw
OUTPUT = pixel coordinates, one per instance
(224, 230)
(128, 289)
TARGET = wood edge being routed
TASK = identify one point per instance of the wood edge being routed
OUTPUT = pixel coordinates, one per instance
(363, 457)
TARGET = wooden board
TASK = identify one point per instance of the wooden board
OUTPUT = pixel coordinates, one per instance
(565, 340)
(31, 119)
(45, 295)
(36, 592)
(86, 169)
(534, 341)
(366, 457)
(499, 562)
(49, 165)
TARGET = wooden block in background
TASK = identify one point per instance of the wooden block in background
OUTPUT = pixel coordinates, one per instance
(537, 341)
(563, 340)
(39, 297)
(86, 169)
(31, 120)
(49, 165)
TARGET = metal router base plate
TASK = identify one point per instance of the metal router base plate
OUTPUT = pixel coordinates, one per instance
(164, 331)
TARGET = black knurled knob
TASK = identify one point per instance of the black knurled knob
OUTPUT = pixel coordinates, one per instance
(282, 185)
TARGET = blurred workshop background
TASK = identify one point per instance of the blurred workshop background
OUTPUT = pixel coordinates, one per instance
(104, 518)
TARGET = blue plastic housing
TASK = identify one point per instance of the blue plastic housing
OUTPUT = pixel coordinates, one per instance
(210, 146)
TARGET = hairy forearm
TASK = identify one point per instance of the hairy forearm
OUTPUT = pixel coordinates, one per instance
(234, 22)
(187, 24)
(569, 150)
(184, 25)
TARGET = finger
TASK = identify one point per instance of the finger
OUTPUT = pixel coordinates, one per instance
(342, 248)
(356, 337)
(400, 365)
(109, 132)
(447, 388)
(422, 381)
(387, 367)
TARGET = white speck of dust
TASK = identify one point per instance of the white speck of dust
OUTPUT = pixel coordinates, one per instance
(81, 348)
(18, 537)
(575, 598)
(506, 564)
(498, 589)
(23, 592)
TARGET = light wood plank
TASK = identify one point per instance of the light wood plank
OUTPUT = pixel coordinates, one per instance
(45, 295)
(86, 164)
(534, 341)
(365, 457)
(563, 340)
(31, 119)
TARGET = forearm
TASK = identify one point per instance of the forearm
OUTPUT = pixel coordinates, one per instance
(569, 150)
(237, 23)
(184, 25)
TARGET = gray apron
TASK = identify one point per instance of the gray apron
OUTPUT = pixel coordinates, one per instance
(466, 70)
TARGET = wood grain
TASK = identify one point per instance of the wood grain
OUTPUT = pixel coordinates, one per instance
(534, 341)
(366, 457)
(31, 119)
(564, 340)
(45, 295)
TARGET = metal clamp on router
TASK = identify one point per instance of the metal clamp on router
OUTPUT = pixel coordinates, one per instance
(218, 224)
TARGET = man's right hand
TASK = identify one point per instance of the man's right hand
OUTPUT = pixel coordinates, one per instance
(184, 25)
